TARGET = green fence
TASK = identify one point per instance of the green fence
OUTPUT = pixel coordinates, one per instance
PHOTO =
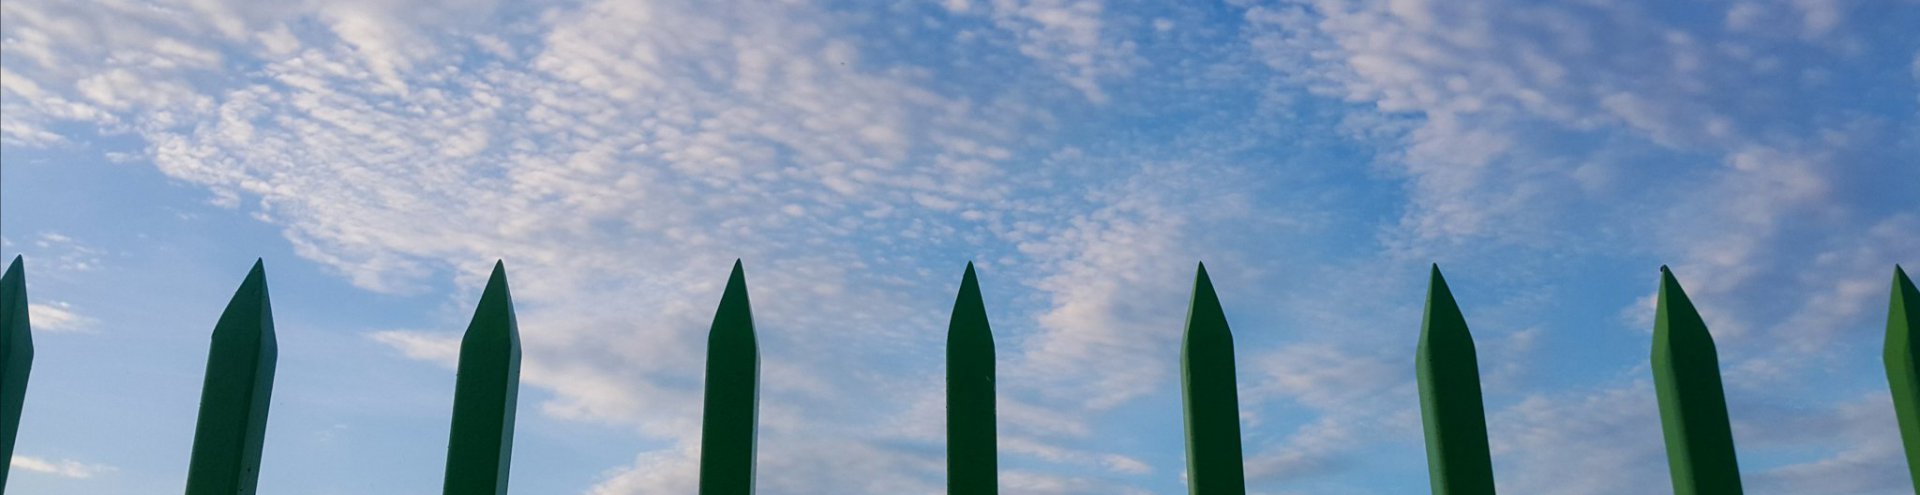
(239, 382)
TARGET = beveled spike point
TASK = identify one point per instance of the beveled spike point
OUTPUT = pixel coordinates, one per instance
(1693, 406)
(230, 433)
(1459, 460)
(486, 392)
(731, 401)
(972, 463)
(1209, 396)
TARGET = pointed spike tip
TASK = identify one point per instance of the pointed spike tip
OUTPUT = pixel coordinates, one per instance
(1201, 279)
(257, 274)
(1203, 293)
(736, 282)
(14, 269)
(1667, 278)
(499, 273)
(498, 277)
(968, 299)
(1437, 285)
(254, 286)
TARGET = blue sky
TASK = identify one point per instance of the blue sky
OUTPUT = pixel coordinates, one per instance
(619, 155)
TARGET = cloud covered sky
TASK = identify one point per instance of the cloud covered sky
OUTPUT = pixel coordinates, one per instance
(619, 155)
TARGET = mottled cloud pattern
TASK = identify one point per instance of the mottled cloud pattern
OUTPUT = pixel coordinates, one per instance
(1085, 153)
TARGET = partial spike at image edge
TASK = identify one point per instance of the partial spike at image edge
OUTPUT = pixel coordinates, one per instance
(1901, 356)
(16, 357)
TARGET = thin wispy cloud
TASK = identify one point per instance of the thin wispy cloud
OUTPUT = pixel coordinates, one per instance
(65, 468)
(57, 317)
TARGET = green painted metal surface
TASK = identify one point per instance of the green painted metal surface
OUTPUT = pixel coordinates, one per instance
(1693, 406)
(1458, 461)
(480, 450)
(16, 357)
(972, 465)
(1212, 404)
(1903, 374)
(732, 394)
(233, 402)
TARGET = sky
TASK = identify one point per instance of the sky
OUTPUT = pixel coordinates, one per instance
(619, 155)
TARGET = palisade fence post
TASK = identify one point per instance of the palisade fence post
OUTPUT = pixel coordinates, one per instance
(16, 358)
(1693, 405)
(232, 426)
(1212, 404)
(480, 450)
(732, 394)
(972, 468)
(1458, 461)
(1903, 377)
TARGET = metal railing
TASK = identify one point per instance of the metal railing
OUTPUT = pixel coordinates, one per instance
(239, 382)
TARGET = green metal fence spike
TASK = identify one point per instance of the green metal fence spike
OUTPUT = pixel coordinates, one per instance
(480, 449)
(972, 468)
(1214, 465)
(233, 402)
(1903, 365)
(732, 394)
(1693, 406)
(16, 357)
(1458, 461)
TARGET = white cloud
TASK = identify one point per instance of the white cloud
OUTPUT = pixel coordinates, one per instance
(1869, 459)
(619, 155)
(1076, 37)
(57, 316)
(441, 349)
(1544, 443)
(1357, 399)
(66, 468)
(68, 254)
(631, 154)
(1612, 130)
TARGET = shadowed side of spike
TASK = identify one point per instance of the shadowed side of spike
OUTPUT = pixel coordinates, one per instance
(1458, 459)
(1693, 406)
(233, 401)
(972, 468)
(480, 449)
(16, 357)
(732, 394)
(1212, 404)
(1903, 372)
